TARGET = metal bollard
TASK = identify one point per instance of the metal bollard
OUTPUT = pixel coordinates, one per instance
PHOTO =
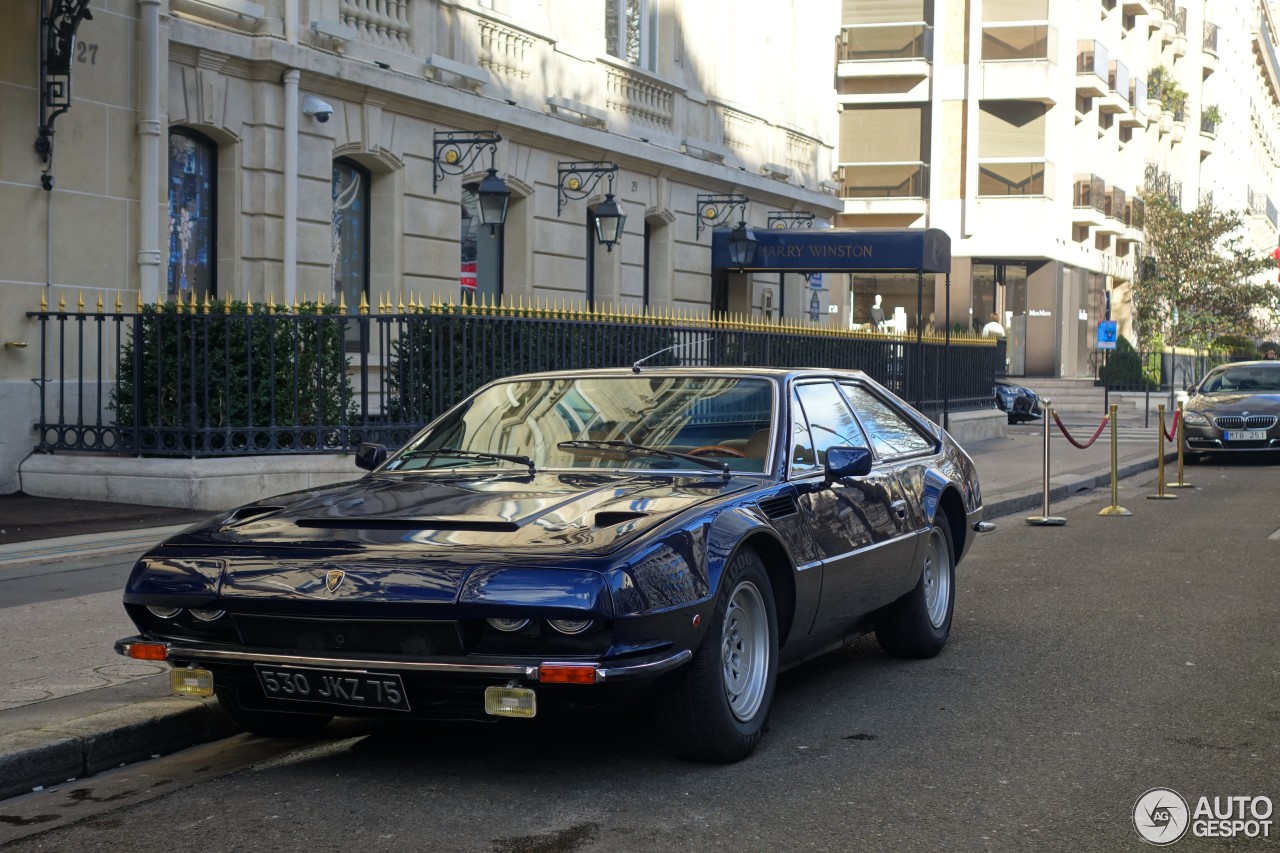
(1044, 519)
(1160, 495)
(1182, 482)
(1115, 508)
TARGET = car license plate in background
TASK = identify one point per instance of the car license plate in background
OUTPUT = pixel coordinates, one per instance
(1246, 435)
(333, 686)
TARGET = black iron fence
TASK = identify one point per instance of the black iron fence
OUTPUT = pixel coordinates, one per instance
(1167, 371)
(250, 379)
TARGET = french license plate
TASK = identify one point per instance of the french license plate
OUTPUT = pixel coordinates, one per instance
(352, 687)
(1246, 435)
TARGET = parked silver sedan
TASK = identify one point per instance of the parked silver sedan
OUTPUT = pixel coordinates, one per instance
(1234, 409)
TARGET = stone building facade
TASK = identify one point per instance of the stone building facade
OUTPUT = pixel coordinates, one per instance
(285, 150)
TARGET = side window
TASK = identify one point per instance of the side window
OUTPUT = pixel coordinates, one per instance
(831, 423)
(803, 459)
(891, 433)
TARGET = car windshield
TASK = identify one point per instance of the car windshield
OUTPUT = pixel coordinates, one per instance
(1251, 379)
(603, 422)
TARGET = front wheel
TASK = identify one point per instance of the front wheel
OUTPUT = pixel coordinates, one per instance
(716, 709)
(270, 723)
(917, 625)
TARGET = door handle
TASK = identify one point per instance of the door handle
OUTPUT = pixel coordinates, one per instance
(899, 509)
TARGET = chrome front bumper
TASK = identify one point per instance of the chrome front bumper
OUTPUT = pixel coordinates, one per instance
(649, 667)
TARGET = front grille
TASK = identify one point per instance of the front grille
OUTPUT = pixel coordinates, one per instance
(331, 635)
(1251, 422)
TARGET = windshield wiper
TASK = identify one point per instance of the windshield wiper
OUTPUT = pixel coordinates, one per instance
(479, 454)
(631, 449)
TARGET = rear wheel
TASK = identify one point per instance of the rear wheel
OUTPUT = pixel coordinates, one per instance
(270, 723)
(918, 624)
(716, 709)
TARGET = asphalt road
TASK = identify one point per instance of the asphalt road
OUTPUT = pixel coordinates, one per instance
(1088, 664)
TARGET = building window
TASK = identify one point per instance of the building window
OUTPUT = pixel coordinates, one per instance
(193, 170)
(480, 273)
(349, 238)
(629, 29)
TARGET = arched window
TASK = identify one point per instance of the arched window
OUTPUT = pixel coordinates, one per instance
(193, 255)
(480, 271)
(349, 239)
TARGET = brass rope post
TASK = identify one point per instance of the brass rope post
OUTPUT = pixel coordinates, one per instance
(1044, 519)
(1182, 480)
(1160, 495)
(1115, 508)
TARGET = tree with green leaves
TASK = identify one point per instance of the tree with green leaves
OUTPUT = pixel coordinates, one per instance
(1198, 279)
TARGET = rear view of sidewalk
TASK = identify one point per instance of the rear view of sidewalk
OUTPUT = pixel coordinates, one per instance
(86, 728)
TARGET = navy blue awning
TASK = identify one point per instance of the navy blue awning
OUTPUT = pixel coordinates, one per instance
(840, 250)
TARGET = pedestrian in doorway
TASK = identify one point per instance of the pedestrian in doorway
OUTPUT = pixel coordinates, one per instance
(993, 327)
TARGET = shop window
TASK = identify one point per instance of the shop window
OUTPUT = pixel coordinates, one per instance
(193, 170)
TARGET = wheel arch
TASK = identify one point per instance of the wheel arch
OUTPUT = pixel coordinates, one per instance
(952, 505)
(777, 564)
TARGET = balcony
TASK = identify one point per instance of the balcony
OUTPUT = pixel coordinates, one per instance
(1135, 215)
(1092, 69)
(1265, 52)
(885, 50)
(1113, 209)
(1209, 49)
(884, 188)
(1135, 116)
(1178, 126)
(1116, 99)
(1208, 132)
(1138, 7)
(1180, 31)
(1088, 201)
(1023, 178)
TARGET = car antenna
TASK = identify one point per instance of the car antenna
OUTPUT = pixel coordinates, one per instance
(635, 368)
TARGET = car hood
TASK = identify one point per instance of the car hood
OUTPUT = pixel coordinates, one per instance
(1235, 403)
(560, 512)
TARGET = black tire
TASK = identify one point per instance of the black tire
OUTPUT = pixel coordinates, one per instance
(717, 706)
(282, 724)
(917, 625)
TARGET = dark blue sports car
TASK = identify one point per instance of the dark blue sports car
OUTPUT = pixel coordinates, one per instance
(563, 542)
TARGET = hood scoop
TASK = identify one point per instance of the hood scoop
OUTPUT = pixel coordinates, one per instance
(249, 513)
(437, 523)
(616, 517)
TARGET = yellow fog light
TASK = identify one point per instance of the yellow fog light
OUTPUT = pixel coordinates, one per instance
(191, 682)
(510, 702)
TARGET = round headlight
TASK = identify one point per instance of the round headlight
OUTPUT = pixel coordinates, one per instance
(208, 615)
(570, 626)
(164, 612)
(508, 625)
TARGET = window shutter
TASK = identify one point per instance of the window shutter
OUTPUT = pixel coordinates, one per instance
(882, 134)
(1010, 129)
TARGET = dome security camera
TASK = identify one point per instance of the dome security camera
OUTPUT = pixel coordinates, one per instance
(317, 108)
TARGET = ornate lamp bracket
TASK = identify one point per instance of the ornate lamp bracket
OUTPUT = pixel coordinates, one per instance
(456, 151)
(715, 210)
(578, 180)
(790, 219)
(57, 51)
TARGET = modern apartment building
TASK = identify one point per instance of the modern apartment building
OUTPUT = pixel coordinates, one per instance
(1026, 130)
(291, 150)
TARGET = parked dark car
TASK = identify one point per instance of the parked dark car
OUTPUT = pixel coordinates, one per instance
(560, 543)
(1019, 402)
(1234, 409)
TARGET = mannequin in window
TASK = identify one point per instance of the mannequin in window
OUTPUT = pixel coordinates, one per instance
(877, 315)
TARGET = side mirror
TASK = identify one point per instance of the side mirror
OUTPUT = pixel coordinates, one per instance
(370, 456)
(847, 462)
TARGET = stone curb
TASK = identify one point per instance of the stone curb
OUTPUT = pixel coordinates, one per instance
(1019, 503)
(81, 747)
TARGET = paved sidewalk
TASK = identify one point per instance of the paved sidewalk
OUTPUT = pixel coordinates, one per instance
(87, 728)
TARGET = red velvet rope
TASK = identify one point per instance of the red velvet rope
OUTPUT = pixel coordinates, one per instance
(1084, 446)
(1173, 427)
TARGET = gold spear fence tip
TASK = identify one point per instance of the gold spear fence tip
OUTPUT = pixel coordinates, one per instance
(119, 303)
(226, 304)
(364, 304)
(80, 303)
(100, 303)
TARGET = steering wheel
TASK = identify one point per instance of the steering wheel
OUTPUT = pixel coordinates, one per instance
(718, 448)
